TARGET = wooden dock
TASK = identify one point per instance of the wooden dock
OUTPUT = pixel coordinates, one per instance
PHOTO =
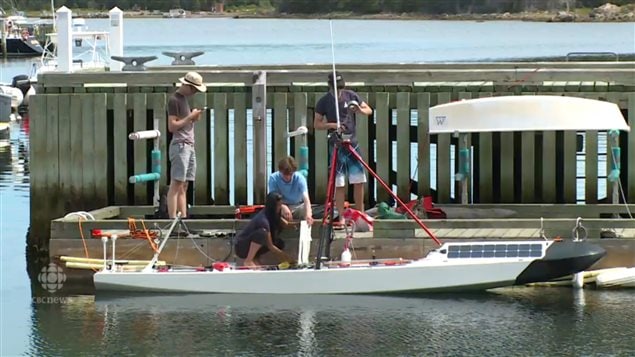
(81, 157)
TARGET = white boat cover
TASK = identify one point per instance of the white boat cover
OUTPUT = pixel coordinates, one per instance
(525, 113)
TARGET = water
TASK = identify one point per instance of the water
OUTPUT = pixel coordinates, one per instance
(509, 322)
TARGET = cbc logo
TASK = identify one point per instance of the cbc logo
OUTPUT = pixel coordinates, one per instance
(52, 278)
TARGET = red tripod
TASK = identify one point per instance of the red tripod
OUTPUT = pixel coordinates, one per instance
(327, 221)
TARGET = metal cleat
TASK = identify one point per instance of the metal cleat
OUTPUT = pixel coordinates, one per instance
(134, 63)
(183, 58)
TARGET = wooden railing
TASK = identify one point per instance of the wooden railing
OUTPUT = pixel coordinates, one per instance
(81, 157)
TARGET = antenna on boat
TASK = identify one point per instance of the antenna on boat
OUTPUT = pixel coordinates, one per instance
(337, 109)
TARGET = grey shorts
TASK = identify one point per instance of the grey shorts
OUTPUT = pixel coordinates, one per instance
(183, 162)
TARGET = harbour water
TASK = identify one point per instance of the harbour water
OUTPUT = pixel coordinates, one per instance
(507, 322)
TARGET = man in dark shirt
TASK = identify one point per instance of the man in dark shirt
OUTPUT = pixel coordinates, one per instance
(349, 103)
(181, 151)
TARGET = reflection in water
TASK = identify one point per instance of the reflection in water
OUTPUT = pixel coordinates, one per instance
(509, 322)
(14, 157)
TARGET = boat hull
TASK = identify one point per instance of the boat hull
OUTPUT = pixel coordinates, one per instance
(18, 47)
(406, 279)
(455, 267)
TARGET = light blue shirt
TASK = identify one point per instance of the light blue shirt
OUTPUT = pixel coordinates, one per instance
(292, 192)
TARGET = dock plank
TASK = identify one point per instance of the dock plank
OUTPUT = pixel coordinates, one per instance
(221, 153)
(120, 148)
(240, 148)
(64, 151)
(423, 144)
(101, 149)
(88, 145)
(444, 170)
(140, 147)
(485, 165)
(202, 146)
(362, 132)
(403, 145)
(548, 167)
(382, 149)
(280, 129)
(591, 166)
(570, 167)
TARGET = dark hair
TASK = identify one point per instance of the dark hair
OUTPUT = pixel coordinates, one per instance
(273, 213)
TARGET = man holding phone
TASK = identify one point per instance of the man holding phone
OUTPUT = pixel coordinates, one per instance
(348, 104)
(181, 151)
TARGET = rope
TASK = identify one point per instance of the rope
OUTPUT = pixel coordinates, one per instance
(619, 183)
(81, 234)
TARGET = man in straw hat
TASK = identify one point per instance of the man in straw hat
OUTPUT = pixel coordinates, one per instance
(181, 151)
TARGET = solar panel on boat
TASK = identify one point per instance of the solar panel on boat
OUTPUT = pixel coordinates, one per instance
(511, 250)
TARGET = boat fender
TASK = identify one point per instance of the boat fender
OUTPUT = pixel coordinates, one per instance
(346, 258)
(220, 266)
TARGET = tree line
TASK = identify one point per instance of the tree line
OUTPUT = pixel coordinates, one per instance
(317, 7)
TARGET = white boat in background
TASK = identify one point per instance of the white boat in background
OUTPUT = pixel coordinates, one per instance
(90, 52)
(461, 266)
(616, 278)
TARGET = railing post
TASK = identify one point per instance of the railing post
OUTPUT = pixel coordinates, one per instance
(64, 46)
(115, 39)
(259, 121)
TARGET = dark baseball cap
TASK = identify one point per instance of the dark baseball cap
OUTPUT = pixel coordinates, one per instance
(338, 78)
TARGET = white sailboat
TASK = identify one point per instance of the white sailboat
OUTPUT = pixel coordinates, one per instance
(462, 266)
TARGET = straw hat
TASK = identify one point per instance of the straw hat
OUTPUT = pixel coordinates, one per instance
(194, 79)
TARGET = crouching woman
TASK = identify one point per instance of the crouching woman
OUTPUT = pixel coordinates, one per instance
(261, 234)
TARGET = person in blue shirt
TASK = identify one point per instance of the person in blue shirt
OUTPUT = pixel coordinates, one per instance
(292, 186)
(260, 235)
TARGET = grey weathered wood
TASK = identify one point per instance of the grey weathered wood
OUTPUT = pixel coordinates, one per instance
(486, 166)
(221, 150)
(158, 103)
(570, 167)
(140, 147)
(52, 145)
(240, 148)
(76, 151)
(362, 140)
(64, 152)
(88, 145)
(321, 156)
(101, 149)
(557, 77)
(299, 119)
(548, 167)
(591, 167)
(202, 147)
(280, 129)
(423, 144)
(259, 123)
(630, 145)
(382, 125)
(528, 162)
(120, 148)
(403, 145)
(444, 181)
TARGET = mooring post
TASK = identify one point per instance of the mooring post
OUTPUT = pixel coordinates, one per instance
(64, 46)
(259, 121)
(115, 38)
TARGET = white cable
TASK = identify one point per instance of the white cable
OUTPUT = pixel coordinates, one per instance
(337, 99)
